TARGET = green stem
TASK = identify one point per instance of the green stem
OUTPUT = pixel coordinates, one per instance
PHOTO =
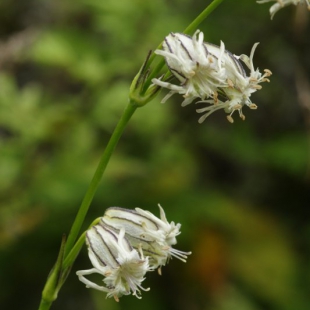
(51, 287)
(189, 30)
(57, 277)
(75, 229)
(69, 260)
(202, 16)
(45, 305)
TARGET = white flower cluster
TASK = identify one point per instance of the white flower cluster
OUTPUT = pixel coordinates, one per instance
(282, 3)
(125, 245)
(210, 73)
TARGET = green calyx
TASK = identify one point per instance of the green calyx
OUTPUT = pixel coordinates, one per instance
(138, 96)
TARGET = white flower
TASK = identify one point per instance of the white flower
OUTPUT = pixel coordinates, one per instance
(125, 245)
(211, 73)
(199, 72)
(143, 229)
(113, 257)
(239, 87)
(282, 3)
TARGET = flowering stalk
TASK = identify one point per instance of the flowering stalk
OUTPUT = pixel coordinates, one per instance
(141, 92)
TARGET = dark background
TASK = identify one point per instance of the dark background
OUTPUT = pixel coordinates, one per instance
(241, 191)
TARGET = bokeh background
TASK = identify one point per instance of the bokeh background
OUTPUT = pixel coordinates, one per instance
(241, 191)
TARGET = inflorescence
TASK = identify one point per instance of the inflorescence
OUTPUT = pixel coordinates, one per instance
(211, 74)
(125, 245)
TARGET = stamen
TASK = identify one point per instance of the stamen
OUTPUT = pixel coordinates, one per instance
(267, 72)
(253, 79)
(182, 256)
(242, 116)
(116, 298)
(230, 83)
(159, 271)
(230, 119)
(253, 106)
(236, 107)
(215, 97)
(211, 109)
(251, 56)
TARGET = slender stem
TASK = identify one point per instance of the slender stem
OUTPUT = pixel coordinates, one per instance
(189, 30)
(75, 229)
(75, 251)
(202, 16)
(50, 290)
(45, 305)
(69, 260)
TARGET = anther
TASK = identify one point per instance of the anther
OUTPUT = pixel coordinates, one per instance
(237, 107)
(215, 97)
(230, 83)
(267, 72)
(230, 119)
(253, 106)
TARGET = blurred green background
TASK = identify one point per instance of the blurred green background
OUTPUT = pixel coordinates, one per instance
(241, 191)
